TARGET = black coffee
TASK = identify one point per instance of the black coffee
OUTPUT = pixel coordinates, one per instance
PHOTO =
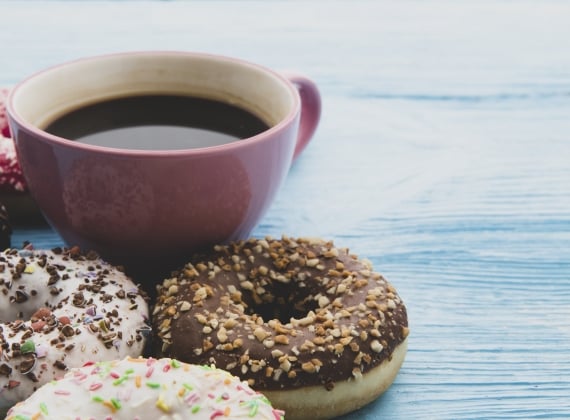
(158, 122)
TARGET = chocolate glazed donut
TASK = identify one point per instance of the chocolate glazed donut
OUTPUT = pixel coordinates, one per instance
(311, 326)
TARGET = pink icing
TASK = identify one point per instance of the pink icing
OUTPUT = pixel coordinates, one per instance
(11, 176)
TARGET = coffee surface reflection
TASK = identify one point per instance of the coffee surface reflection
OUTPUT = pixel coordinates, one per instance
(157, 122)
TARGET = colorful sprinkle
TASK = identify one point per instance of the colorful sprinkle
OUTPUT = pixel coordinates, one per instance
(61, 392)
(79, 377)
(120, 380)
(161, 404)
(116, 403)
(95, 386)
(43, 408)
(28, 347)
(279, 414)
(153, 385)
(103, 325)
(191, 398)
(216, 413)
(110, 405)
(253, 406)
(41, 351)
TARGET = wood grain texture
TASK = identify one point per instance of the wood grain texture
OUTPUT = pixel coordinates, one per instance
(443, 156)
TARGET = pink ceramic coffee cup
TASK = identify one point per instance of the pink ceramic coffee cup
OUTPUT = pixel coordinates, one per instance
(143, 205)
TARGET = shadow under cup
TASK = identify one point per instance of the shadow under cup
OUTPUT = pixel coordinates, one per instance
(150, 209)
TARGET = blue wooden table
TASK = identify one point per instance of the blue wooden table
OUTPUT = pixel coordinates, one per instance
(443, 156)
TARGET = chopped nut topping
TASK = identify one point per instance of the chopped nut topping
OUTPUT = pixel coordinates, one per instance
(309, 367)
(185, 306)
(281, 339)
(260, 334)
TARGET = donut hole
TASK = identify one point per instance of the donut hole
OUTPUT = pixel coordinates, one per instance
(279, 310)
(282, 305)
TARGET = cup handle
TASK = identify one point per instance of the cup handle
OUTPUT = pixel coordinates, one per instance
(310, 109)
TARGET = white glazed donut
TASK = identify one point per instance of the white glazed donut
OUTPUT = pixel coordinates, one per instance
(60, 309)
(145, 389)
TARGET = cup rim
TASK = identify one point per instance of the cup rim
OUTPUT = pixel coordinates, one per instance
(227, 147)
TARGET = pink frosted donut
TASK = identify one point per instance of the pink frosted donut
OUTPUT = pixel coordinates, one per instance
(4, 129)
(14, 192)
(145, 389)
(11, 177)
(60, 309)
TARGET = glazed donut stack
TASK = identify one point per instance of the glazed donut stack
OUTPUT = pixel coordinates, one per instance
(310, 325)
(296, 324)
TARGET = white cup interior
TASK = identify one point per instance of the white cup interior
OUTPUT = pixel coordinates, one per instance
(50, 94)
